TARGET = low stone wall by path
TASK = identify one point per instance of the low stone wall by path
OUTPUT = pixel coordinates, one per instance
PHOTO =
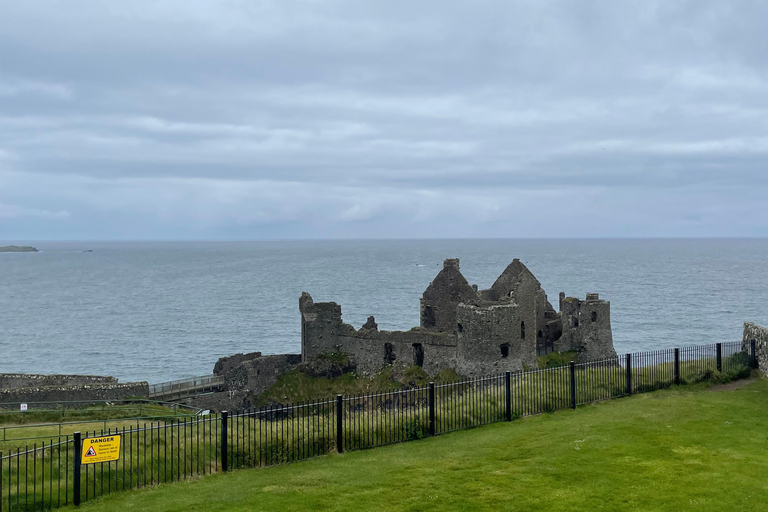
(10, 398)
(33, 380)
(760, 335)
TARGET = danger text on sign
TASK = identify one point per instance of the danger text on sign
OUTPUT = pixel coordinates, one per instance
(100, 449)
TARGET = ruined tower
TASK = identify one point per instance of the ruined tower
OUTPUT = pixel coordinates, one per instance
(586, 327)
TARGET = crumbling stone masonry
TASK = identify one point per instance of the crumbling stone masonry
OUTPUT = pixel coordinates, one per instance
(472, 332)
(760, 335)
(33, 380)
(81, 393)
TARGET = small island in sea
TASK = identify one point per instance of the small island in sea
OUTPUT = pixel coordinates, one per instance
(18, 248)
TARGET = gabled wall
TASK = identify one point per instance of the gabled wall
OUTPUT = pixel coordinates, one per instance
(518, 283)
(444, 293)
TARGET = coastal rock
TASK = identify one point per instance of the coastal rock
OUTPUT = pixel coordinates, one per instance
(18, 248)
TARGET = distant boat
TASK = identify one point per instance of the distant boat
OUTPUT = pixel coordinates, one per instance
(88, 250)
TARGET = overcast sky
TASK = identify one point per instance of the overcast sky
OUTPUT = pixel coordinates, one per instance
(315, 119)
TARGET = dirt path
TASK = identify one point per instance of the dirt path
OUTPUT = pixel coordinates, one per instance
(735, 384)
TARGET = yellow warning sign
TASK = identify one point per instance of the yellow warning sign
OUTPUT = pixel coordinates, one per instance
(100, 449)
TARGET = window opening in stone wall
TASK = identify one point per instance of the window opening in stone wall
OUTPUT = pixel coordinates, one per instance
(460, 328)
(429, 316)
(418, 355)
(594, 316)
(522, 330)
(389, 355)
(504, 350)
(540, 334)
(575, 321)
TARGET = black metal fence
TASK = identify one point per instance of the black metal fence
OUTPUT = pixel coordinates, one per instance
(50, 474)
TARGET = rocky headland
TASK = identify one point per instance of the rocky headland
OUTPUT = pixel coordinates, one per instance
(18, 248)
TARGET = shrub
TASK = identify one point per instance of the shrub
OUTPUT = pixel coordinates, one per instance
(556, 359)
(739, 359)
(414, 429)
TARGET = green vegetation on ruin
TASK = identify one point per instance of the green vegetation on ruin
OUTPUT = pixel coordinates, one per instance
(555, 359)
(296, 386)
(685, 448)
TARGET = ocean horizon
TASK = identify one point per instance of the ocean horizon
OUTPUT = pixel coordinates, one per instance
(160, 310)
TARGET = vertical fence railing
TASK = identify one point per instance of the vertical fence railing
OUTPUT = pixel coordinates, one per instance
(154, 453)
(735, 356)
(697, 362)
(277, 434)
(384, 418)
(653, 370)
(37, 477)
(48, 474)
(473, 402)
(540, 391)
(600, 380)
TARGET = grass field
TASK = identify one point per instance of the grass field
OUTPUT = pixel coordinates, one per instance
(686, 448)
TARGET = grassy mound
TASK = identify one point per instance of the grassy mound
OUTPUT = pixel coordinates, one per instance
(297, 386)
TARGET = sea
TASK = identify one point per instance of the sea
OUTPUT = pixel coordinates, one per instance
(159, 311)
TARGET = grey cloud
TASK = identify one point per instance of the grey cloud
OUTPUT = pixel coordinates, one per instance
(343, 118)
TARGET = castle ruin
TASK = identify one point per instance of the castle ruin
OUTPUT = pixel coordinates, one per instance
(475, 333)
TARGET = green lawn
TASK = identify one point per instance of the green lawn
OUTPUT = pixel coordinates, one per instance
(680, 449)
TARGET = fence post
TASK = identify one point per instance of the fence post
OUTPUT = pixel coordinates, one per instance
(508, 391)
(629, 374)
(224, 442)
(339, 425)
(752, 354)
(76, 473)
(677, 367)
(573, 384)
(719, 352)
(432, 408)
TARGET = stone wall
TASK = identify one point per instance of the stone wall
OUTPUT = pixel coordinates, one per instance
(493, 339)
(586, 328)
(27, 380)
(264, 371)
(233, 370)
(760, 335)
(10, 398)
(254, 371)
(370, 350)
